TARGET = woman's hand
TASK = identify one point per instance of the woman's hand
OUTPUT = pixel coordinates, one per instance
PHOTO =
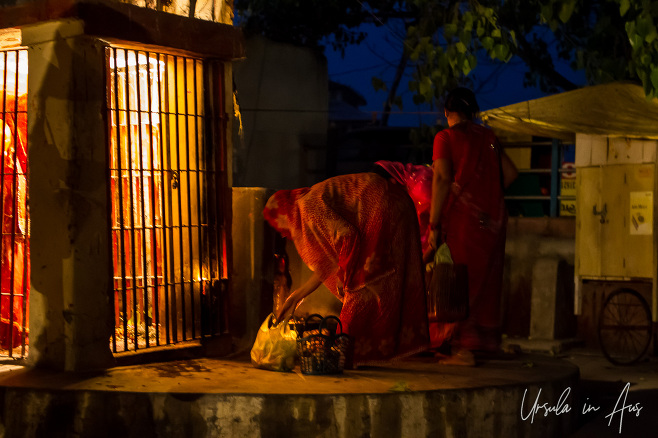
(291, 302)
(295, 298)
(434, 238)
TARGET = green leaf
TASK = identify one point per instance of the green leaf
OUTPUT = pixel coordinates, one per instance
(418, 99)
(468, 21)
(480, 29)
(647, 85)
(487, 43)
(378, 84)
(567, 10)
(430, 53)
(654, 77)
(495, 33)
(398, 102)
(449, 30)
(469, 64)
(623, 7)
(636, 41)
(400, 387)
(645, 59)
(452, 61)
(501, 52)
(547, 13)
(465, 37)
(415, 54)
(466, 67)
(425, 87)
(461, 47)
(644, 25)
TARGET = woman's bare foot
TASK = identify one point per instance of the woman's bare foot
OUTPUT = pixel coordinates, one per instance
(462, 357)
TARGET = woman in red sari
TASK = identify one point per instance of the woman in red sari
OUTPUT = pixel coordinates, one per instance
(417, 179)
(468, 212)
(359, 235)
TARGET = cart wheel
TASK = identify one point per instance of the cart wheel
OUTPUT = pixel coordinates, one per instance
(624, 327)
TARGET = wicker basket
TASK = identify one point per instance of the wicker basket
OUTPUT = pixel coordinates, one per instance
(323, 350)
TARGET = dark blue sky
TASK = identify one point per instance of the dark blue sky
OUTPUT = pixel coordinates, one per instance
(496, 84)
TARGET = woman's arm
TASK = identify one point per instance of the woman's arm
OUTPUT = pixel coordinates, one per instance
(441, 181)
(298, 295)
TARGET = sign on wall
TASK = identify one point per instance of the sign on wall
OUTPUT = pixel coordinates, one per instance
(568, 189)
(641, 213)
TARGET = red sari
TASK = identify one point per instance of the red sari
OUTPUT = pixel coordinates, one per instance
(359, 234)
(474, 221)
(417, 179)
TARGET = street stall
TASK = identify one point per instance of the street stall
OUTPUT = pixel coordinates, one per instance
(615, 133)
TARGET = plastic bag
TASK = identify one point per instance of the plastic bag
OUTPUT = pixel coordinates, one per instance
(275, 346)
(442, 255)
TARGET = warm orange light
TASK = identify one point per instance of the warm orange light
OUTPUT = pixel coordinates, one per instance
(9, 62)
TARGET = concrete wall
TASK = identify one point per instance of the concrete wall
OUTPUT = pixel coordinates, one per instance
(250, 297)
(283, 97)
(538, 287)
(70, 311)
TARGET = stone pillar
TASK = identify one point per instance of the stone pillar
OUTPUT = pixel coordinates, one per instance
(71, 272)
(552, 300)
(253, 265)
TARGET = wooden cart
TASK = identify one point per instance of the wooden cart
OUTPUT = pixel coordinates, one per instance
(616, 244)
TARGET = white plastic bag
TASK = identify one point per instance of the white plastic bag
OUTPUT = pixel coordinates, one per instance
(275, 346)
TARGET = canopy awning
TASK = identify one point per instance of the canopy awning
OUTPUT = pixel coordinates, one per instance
(615, 110)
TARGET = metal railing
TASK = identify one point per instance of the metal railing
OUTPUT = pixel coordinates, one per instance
(549, 193)
(15, 270)
(168, 253)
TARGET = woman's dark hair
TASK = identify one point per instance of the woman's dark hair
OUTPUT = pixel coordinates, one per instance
(462, 100)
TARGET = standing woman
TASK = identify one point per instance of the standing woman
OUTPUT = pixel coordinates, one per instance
(468, 212)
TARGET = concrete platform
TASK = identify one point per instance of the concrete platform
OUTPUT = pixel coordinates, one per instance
(230, 398)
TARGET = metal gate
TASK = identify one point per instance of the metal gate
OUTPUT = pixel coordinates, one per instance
(166, 198)
(15, 272)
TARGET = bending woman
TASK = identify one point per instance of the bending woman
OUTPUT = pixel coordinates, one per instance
(359, 235)
(468, 212)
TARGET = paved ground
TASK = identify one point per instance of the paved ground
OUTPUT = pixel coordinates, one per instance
(611, 401)
(209, 397)
(238, 376)
(627, 396)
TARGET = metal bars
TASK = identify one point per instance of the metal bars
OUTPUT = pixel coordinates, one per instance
(14, 276)
(538, 190)
(162, 188)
